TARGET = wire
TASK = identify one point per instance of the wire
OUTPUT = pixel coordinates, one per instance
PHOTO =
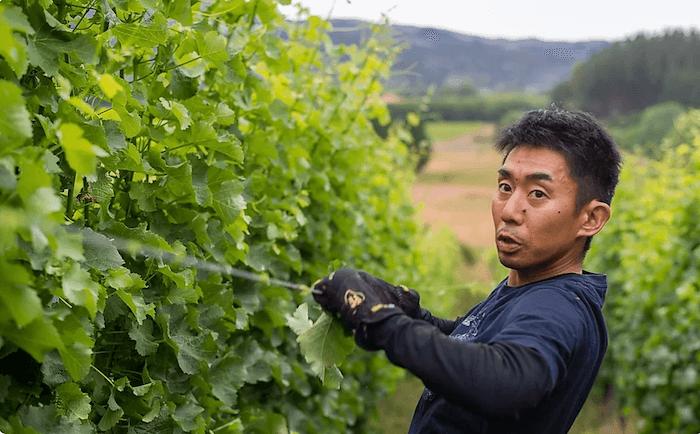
(137, 248)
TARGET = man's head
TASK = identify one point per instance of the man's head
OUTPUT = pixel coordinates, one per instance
(559, 173)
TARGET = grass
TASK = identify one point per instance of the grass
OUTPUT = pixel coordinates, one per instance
(446, 130)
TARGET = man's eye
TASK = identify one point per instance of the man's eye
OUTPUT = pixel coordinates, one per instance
(503, 187)
(539, 194)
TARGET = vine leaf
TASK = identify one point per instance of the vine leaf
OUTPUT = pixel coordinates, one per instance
(15, 125)
(72, 402)
(99, 251)
(323, 344)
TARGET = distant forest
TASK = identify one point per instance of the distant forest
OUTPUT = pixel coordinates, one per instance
(443, 58)
(636, 73)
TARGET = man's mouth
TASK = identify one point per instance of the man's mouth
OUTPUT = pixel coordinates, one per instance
(507, 243)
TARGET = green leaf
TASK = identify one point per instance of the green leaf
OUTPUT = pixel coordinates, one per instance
(191, 349)
(122, 278)
(227, 376)
(299, 321)
(80, 289)
(110, 419)
(70, 245)
(142, 334)
(144, 37)
(213, 48)
(8, 179)
(18, 297)
(130, 121)
(181, 10)
(53, 370)
(12, 47)
(80, 153)
(16, 20)
(179, 111)
(199, 182)
(72, 402)
(15, 124)
(259, 421)
(46, 48)
(36, 338)
(99, 251)
(110, 87)
(76, 351)
(32, 177)
(226, 191)
(186, 416)
(325, 345)
(184, 289)
(46, 419)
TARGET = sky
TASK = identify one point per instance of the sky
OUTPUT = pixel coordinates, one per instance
(551, 20)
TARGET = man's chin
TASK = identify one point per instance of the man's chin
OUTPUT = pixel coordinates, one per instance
(509, 261)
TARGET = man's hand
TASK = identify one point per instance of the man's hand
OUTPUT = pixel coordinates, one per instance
(405, 298)
(348, 294)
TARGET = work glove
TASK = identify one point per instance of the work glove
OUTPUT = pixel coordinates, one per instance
(408, 300)
(347, 294)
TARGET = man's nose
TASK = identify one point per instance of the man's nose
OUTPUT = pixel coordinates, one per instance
(514, 208)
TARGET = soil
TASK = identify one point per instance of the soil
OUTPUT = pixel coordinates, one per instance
(456, 186)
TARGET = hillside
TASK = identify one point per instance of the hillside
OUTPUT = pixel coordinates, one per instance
(436, 56)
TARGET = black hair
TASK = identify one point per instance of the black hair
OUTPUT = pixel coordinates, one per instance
(591, 154)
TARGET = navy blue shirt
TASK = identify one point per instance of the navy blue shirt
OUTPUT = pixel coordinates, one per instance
(521, 361)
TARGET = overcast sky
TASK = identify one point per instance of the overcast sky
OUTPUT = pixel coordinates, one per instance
(543, 19)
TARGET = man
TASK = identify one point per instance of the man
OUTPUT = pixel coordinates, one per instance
(524, 359)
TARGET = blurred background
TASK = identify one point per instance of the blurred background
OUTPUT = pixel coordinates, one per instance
(463, 72)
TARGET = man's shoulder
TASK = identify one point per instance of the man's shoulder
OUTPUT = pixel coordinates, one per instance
(573, 287)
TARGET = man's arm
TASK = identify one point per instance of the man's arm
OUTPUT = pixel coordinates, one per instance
(498, 379)
(512, 372)
(446, 326)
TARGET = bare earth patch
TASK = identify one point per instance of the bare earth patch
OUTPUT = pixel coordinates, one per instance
(456, 186)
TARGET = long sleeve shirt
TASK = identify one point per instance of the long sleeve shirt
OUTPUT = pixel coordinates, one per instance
(522, 361)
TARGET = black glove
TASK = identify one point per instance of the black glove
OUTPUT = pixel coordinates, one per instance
(349, 295)
(407, 299)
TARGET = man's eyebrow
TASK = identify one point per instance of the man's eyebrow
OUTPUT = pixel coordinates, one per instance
(540, 176)
(537, 176)
(504, 173)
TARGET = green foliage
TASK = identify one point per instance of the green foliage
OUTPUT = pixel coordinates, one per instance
(650, 251)
(182, 129)
(685, 130)
(636, 73)
(444, 291)
(410, 127)
(483, 107)
(442, 130)
(643, 132)
(509, 118)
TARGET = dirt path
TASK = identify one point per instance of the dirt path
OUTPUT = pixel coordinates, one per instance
(455, 187)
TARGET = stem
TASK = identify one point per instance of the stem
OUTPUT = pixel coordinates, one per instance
(69, 199)
(127, 187)
(86, 207)
(103, 375)
(252, 15)
(65, 302)
(227, 424)
(87, 9)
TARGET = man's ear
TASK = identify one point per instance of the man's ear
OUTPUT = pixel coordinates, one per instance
(594, 215)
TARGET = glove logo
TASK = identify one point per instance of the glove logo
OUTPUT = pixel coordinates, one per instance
(354, 298)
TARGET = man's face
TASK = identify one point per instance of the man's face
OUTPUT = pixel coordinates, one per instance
(534, 211)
